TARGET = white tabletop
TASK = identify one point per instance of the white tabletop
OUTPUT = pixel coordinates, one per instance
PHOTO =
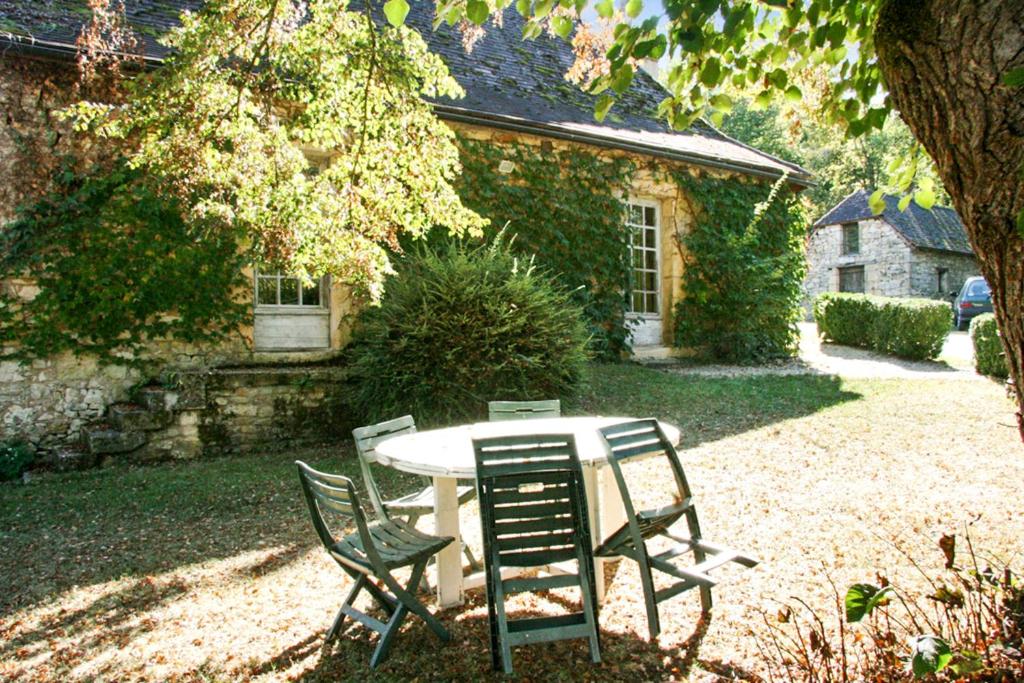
(448, 452)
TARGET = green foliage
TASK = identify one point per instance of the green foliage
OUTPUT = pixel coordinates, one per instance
(250, 87)
(839, 165)
(862, 598)
(909, 328)
(988, 349)
(15, 458)
(564, 209)
(116, 267)
(460, 326)
(744, 267)
(845, 318)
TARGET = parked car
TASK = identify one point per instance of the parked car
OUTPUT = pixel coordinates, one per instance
(974, 298)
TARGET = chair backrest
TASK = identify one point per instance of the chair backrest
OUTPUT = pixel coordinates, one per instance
(367, 439)
(523, 410)
(644, 438)
(532, 500)
(333, 492)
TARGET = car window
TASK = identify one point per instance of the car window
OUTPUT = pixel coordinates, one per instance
(978, 289)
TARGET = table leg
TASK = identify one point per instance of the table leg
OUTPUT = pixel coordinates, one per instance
(449, 560)
(594, 492)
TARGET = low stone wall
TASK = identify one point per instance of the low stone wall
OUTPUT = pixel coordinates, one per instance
(48, 402)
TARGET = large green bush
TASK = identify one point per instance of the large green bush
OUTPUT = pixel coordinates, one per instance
(459, 326)
(744, 266)
(988, 350)
(909, 328)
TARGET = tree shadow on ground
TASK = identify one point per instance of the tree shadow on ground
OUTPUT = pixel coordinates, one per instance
(418, 654)
(708, 409)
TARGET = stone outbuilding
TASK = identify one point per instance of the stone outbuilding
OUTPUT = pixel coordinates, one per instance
(913, 253)
(516, 93)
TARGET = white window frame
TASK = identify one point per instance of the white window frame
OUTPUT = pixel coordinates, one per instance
(320, 308)
(645, 203)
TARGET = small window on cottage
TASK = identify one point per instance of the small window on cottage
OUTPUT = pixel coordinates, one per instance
(851, 279)
(851, 238)
(276, 289)
(941, 273)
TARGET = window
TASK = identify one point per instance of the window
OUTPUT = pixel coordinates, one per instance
(851, 238)
(941, 272)
(851, 279)
(642, 222)
(275, 289)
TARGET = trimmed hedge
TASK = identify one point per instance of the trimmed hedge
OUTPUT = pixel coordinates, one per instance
(988, 350)
(15, 457)
(909, 328)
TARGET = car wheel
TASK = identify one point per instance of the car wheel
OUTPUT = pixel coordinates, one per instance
(960, 323)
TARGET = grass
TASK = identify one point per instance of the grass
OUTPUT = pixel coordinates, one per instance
(210, 570)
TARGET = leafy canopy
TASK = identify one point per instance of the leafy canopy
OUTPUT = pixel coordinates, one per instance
(302, 125)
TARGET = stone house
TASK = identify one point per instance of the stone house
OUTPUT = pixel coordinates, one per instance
(515, 93)
(912, 253)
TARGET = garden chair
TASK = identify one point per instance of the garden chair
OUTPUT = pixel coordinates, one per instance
(414, 505)
(643, 438)
(523, 410)
(533, 513)
(371, 553)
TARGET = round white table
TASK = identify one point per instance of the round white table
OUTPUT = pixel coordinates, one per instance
(446, 455)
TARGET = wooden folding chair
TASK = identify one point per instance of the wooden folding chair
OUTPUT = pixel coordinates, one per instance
(371, 553)
(523, 410)
(645, 438)
(533, 513)
(410, 507)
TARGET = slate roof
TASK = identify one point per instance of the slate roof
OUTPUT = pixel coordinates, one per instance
(938, 228)
(509, 83)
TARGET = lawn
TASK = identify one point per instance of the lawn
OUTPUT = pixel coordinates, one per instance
(210, 570)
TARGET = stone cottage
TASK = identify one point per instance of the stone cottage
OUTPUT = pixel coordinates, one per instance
(241, 394)
(916, 252)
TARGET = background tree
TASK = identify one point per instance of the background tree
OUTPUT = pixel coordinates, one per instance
(302, 125)
(953, 69)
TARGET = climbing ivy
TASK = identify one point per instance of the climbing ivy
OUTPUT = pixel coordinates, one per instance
(744, 264)
(114, 268)
(564, 208)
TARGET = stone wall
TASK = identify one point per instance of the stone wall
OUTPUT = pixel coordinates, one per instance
(884, 253)
(924, 278)
(891, 266)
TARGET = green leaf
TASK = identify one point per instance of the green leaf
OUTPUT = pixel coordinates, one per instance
(925, 198)
(542, 8)
(793, 94)
(966, 662)
(523, 7)
(722, 103)
(395, 11)
(931, 655)
(477, 11)
(605, 9)
(562, 26)
(862, 598)
(601, 107)
(621, 78)
(634, 7)
(711, 72)
(904, 202)
(1015, 78)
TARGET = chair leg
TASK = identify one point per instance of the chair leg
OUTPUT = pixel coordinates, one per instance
(349, 599)
(653, 623)
(705, 599)
(386, 638)
(474, 563)
(406, 597)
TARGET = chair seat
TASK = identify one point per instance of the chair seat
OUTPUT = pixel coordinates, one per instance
(421, 502)
(397, 543)
(650, 522)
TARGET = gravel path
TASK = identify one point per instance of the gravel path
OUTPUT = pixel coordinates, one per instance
(816, 358)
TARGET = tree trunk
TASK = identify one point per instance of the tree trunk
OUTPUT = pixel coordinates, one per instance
(943, 62)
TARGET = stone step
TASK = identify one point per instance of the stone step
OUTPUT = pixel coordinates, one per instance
(67, 459)
(131, 417)
(157, 398)
(107, 441)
